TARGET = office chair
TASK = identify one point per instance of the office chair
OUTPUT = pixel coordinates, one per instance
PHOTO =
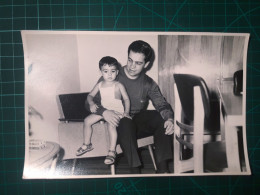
(192, 110)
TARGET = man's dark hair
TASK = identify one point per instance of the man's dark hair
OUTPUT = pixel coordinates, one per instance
(140, 46)
(110, 61)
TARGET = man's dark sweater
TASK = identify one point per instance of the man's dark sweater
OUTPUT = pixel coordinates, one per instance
(140, 90)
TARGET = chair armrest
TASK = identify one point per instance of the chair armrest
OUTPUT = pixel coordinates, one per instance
(183, 142)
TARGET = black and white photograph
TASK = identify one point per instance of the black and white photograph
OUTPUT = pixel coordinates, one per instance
(134, 104)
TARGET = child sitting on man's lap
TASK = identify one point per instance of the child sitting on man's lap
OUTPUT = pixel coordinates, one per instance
(111, 92)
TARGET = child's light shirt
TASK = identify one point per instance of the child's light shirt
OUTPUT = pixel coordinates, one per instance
(108, 99)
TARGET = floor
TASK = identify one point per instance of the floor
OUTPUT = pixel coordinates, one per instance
(96, 166)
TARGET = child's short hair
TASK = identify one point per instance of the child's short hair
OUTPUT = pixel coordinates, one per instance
(110, 61)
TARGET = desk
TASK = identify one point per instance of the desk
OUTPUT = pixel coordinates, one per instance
(231, 118)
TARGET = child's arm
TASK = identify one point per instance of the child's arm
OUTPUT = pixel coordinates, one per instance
(100, 109)
(93, 107)
(125, 98)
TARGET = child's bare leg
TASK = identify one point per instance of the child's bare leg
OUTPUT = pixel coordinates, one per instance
(87, 132)
(87, 127)
(112, 137)
(110, 158)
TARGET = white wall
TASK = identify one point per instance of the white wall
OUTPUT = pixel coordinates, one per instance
(93, 47)
(68, 63)
(55, 70)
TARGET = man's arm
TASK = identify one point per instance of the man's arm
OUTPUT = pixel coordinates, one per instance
(159, 102)
(163, 107)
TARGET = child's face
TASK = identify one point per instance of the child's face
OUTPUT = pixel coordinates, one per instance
(108, 72)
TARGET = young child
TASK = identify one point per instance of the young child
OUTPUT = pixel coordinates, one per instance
(111, 92)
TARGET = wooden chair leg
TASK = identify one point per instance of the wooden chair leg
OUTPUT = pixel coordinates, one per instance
(152, 156)
(73, 166)
(112, 168)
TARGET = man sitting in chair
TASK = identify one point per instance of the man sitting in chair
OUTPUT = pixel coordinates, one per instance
(159, 123)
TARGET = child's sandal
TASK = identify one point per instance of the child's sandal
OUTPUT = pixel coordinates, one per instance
(83, 149)
(110, 158)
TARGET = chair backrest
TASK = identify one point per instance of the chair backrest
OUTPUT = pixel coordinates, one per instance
(196, 162)
(73, 107)
(185, 84)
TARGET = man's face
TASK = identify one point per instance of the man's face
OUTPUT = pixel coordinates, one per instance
(135, 64)
(109, 73)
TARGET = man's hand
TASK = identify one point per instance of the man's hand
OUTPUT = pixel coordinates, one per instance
(111, 117)
(169, 125)
(127, 115)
